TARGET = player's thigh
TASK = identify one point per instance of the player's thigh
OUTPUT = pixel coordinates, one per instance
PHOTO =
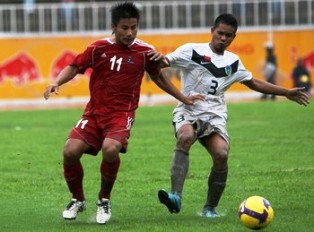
(182, 125)
(85, 136)
(216, 145)
(117, 131)
(186, 132)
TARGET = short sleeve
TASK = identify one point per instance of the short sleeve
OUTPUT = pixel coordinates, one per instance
(243, 73)
(180, 56)
(84, 60)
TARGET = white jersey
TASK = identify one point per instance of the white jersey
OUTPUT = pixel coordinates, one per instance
(206, 72)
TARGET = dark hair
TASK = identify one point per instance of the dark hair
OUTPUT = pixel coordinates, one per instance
(124, 10)
(227, 19)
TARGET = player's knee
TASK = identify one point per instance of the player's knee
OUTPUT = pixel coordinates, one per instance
(185, 141)
(110, 152)
(70, 155)
(221, 159)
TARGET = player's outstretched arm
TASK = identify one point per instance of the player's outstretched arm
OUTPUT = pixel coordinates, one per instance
(166, 85)
(295, 94)
(67, 74)
(298, 95)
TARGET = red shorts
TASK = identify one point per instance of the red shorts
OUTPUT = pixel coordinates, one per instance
(94, 129)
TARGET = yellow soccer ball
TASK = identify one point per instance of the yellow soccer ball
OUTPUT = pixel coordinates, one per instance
(256, 212)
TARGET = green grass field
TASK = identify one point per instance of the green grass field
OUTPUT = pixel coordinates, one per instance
(272, 155)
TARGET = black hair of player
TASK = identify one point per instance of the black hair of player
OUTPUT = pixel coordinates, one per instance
(227, 19)
(125, 10)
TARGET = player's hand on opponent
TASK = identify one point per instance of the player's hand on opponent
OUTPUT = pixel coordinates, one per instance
(53, 88)
(157, 56)
(298, 95)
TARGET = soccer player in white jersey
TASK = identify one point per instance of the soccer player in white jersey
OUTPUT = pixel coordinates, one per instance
(209, 69)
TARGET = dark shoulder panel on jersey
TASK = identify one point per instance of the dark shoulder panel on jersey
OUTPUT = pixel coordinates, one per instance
(217, 72)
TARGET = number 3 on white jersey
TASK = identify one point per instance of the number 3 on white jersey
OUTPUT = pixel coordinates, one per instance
(115, 61)
(213, 87)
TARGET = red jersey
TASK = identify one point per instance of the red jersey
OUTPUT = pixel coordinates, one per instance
(117, 74)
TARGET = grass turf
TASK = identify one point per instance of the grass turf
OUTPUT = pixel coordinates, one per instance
(271, 155)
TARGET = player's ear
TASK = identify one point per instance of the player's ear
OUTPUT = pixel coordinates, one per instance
(113, 28)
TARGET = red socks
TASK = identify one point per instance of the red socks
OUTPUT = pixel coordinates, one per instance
(109, 173)
(73, 175)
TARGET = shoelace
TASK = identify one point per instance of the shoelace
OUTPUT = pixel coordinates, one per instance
(70, 205)
(75, 205)
(105, 207)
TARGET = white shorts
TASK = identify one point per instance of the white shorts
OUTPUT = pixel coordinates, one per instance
(203, 126)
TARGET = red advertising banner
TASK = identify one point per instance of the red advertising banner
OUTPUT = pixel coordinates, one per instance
(27, 65)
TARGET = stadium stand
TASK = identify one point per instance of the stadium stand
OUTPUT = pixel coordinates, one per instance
(85, 16)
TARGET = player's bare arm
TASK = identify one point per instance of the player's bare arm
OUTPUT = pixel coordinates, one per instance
(165, 84)
(67, 74)
(298, 95)
(295, 94)
(157, 56)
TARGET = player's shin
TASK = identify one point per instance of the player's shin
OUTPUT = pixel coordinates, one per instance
(73, 175)
(179, 169)
(216, 185)
(109, 173)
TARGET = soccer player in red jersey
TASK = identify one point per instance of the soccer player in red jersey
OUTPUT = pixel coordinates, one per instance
(118, 65)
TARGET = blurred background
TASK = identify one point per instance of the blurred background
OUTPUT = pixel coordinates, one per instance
(40, 37)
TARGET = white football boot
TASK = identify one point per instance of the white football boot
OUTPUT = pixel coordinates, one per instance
(103, 211)
(73, 208)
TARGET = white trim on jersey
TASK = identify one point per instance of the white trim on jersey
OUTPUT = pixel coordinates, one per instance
(142, 43)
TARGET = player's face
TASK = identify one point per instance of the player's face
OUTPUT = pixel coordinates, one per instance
(222, 37)
(125, 31)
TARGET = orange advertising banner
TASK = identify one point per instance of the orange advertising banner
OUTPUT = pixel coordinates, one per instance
(27, 65)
